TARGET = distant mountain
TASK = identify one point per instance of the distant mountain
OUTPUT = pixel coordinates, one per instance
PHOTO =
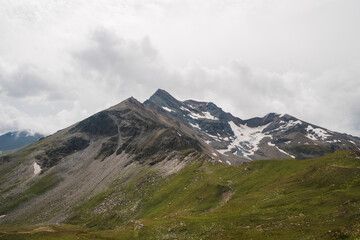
(18, 139)
(161, 170)
(233, 140)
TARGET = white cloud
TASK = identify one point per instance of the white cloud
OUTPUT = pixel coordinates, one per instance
(23, 82)
(64, 60)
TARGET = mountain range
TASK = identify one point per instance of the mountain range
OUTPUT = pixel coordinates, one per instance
(15, 140)
(164, 169)
(231, 139)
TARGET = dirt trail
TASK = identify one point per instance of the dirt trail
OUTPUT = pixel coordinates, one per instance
(40, 229)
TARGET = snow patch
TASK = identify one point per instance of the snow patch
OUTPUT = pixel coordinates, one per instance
(195, 125)
(37, 168)
(214, 154)
(316, 134)
(191, 106)
(205, 115)
(280, 150)
(246, 139)
(218, 139)
(228, 162)
(168, 109)
(184, 109)
(287, 125)
(220, 160)
(285, 152)
(333, 141)
(209, 116)
(352, 142)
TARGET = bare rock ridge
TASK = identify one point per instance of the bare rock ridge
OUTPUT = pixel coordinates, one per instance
(129, 127)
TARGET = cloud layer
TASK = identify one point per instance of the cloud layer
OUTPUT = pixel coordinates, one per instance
(74, 59)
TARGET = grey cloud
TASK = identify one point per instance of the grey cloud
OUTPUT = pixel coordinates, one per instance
(23, 82)
(113, 68)
(113, 56)
(120, 66)
(130, 67)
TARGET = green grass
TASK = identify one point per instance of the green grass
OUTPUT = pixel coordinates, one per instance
(39, 187)
(304, 151)
(270, 199)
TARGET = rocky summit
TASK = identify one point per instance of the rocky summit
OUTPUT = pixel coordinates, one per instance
(165, 169)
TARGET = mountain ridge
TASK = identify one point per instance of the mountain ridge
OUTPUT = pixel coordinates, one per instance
(166, 158)
(272, 136)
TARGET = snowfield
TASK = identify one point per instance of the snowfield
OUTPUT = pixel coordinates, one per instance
(246, 140)
(287, 125)
(316, 134)
(37, 168)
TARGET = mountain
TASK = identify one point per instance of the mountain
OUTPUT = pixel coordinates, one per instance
(161, 170)
(45, 181)
(234, 140)
(18, 139)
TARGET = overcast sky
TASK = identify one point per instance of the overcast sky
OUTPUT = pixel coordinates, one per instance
(61, 61)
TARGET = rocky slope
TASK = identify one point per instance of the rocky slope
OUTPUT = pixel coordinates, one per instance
(45, 181)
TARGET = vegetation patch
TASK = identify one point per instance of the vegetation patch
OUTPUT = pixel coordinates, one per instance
(307, 151)
(41, 186)
(267, 199)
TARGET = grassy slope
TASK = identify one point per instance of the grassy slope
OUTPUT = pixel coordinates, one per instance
(271, 199)
(43, 185)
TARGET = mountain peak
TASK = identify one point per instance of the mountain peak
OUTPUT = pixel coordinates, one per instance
(162, 98)
(130, 102)
(160, 93)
